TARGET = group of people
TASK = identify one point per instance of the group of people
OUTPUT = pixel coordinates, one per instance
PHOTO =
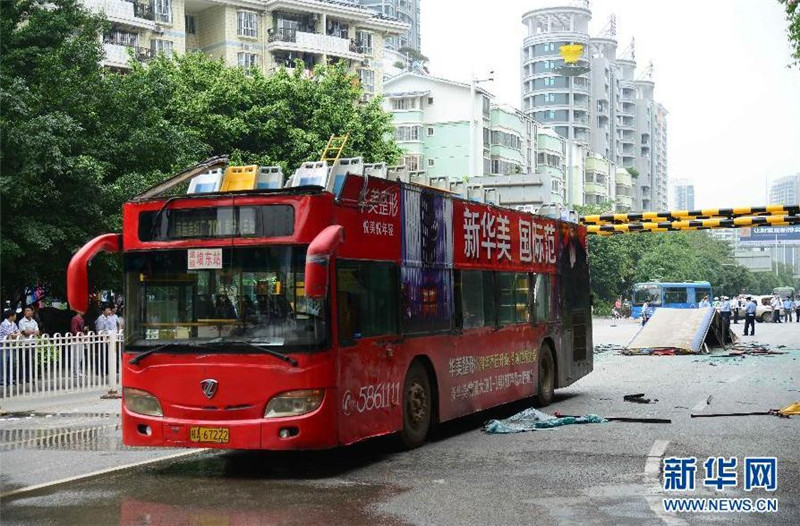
(788, 305)
(27, 328)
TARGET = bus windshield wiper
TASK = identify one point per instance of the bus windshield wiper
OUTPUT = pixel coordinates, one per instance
(267, 350)
(173, 345)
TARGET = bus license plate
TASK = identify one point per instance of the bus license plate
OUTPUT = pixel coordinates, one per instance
(215, 435)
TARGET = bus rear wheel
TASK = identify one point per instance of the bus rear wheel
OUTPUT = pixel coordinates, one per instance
(547, 376)
(417, 406)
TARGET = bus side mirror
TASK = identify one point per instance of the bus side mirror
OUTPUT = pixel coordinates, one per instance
(318, 260)
(78, 272)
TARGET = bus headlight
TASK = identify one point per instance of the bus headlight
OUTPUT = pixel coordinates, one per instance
(294, 403)
(141, 402)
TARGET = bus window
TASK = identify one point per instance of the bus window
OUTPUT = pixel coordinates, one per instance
(477, 299)
(367, 298)
(514, 297)
(647, 293)
(674, 295)
(542, 298)
(700, 293)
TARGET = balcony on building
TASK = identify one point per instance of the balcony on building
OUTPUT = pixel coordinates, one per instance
(626, 121)
(579, 100)
(628, 94)
(580, 84)
(292, 60)
(581, 135)
(119, 44)
(135, 14)
(298, 32)
(628, 108)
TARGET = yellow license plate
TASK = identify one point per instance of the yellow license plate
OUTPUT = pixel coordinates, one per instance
(214, 435)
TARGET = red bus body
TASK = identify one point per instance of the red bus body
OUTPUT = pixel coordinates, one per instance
(431, 240)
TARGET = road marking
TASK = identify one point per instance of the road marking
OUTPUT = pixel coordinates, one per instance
(98, 473)
(652, 478)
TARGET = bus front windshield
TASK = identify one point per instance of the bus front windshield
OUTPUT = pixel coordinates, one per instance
(249, 294)
(647, 293)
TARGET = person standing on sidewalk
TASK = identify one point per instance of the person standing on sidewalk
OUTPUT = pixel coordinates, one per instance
(788, 307)
(725, 312)
(8, 331)
(737, 306)
(777, 305)
(27, 325)
(797, 311)
(29, 331)
(77, 328)
(106, 322)
(750, 316)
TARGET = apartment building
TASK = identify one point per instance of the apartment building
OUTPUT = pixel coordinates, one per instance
(607, 107)
(263, 34)
(529, 164)
(682, 194)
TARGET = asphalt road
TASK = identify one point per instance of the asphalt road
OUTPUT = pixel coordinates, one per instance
(588, 474)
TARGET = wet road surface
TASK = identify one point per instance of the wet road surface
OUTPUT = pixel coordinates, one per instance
(590, 474)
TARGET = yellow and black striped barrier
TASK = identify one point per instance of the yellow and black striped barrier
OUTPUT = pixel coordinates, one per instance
(694, 224)
(679, 215)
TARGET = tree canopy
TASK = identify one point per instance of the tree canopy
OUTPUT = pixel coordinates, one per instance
(793, 18)
(78, 140)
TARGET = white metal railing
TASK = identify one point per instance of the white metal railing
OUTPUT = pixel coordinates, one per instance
(59, 364)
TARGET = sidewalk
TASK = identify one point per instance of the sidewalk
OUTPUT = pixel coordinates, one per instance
(64, 437)
(85, 402)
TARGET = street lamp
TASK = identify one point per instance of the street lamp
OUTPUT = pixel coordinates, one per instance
(472, 85)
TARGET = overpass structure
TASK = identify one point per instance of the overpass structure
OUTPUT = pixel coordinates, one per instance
(702, 219)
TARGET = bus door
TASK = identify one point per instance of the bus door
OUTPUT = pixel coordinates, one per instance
(368, 331)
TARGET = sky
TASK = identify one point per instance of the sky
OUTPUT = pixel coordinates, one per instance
(720, 68)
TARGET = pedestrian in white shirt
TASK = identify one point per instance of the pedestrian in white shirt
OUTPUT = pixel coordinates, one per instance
(27, 325)
(106, 322)
(8, 331)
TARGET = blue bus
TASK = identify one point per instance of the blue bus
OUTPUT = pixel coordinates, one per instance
(670, 295)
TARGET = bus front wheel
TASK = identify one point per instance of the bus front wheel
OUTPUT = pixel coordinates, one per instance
(417, 406)
(547, 376)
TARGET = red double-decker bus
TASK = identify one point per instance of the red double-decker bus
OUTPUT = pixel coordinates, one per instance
(299, 319)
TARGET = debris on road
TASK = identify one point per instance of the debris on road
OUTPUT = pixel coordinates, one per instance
(680, 331)
(532, 419)
(786, 412)
(601, 348)
(642, 420)
(638, 398)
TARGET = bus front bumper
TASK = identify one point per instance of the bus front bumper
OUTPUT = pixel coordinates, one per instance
(316, 430)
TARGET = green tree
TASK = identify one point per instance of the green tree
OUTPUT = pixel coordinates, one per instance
(77, 141)
(54, 192)
(793, 18)
(617, 262)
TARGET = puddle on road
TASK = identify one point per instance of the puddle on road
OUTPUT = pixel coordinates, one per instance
(91, 438)
(218, 489)
(15, 415)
